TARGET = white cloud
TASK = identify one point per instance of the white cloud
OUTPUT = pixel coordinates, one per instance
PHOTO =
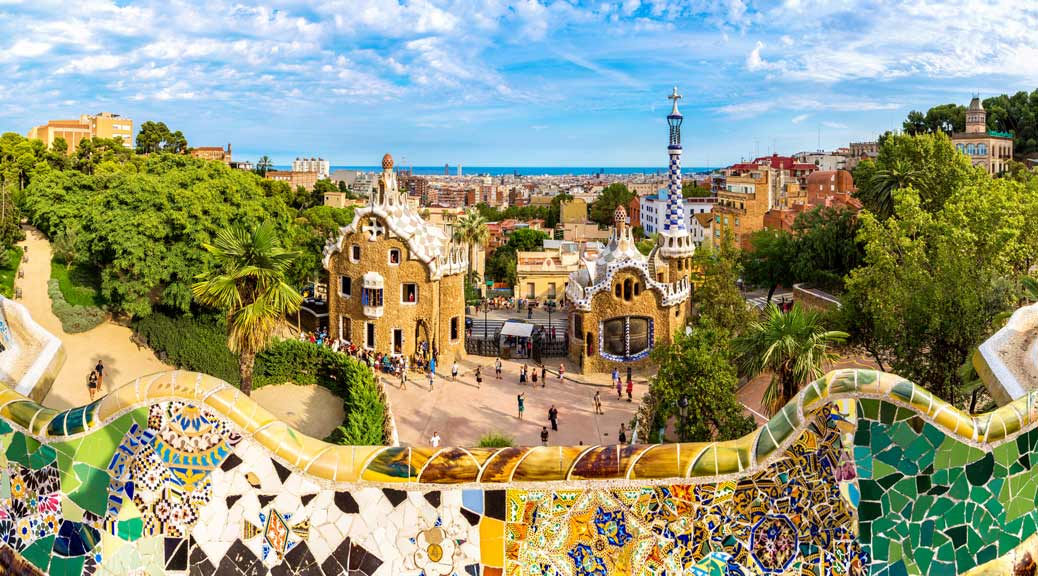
(24, 49)
(90, 64)
(834, 125)
(800, 118)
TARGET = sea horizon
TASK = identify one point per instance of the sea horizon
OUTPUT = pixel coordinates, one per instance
(524, 170)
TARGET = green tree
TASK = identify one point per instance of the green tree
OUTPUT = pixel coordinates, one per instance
(603, 208)
(932, 284)
(250, 288)
(155, 137)
(264, 165)
(929, 163)
(471, 230)
(717, 297)
(769, 261)
(696, 367)
(947, 118)
(826, 246)
(793, 346)
(501, 265)
(692, 189)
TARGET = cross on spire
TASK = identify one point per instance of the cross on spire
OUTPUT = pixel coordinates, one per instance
(675, 97)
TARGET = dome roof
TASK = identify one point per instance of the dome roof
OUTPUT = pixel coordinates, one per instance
(387, 162)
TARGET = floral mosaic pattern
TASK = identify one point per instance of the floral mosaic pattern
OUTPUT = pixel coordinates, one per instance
(784, 519)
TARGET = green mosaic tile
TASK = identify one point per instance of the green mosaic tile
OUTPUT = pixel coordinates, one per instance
(979, 471)
(987, 554)
(964, 560)
(903, 434)
(92, 494)
(942, 569)
(887, 412)
(869, 408)
(39, 552)
(20, 448)
(904, 414)
(131, 529)
(1006, 454)
(98, 447)
(923, 557)
(66, 566)
(954, 454)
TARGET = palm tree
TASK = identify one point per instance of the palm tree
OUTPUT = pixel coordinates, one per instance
(264, 165)
(471, 228)
(793, 346)
(878, 194)
(250, 288)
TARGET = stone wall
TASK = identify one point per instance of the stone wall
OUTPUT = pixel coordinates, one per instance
(814, 298)
(177, 473)
(438, 300)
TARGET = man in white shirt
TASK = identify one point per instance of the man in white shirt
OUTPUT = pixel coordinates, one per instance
(435, 440)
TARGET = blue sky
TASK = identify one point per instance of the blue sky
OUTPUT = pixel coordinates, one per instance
(528, 82)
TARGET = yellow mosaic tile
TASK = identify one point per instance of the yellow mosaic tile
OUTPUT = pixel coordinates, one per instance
(492, 542)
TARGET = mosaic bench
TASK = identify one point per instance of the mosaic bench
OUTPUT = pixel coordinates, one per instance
(178, 473)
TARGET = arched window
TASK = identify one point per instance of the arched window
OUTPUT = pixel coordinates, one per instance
(625, 339)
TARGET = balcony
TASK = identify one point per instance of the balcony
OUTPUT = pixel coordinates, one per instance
(371, 297)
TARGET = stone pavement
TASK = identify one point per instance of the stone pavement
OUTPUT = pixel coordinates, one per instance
(462, 413)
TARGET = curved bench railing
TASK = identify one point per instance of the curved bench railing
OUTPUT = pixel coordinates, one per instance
(519, 464)
(861, 471)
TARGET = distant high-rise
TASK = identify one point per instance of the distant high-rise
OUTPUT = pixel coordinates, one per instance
(446, 169)
(459, 169)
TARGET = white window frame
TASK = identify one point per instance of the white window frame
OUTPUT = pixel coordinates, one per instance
(354, 247)
(399, 256)
(403, 286)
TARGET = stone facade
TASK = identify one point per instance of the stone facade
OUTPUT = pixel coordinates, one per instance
(986, 148)
(395, 280)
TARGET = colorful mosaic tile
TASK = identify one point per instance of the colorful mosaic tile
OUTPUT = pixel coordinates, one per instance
(862, 473)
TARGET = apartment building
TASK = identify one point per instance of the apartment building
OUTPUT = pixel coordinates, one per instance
(100, 125)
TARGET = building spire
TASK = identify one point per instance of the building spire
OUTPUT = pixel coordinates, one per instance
(675, 241)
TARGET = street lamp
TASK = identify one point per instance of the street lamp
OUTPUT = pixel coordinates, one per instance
(549, 306)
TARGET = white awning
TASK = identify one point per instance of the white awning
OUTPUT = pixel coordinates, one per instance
(372, 280)
(521, 329)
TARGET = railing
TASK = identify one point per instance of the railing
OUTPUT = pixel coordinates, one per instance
(480, 347)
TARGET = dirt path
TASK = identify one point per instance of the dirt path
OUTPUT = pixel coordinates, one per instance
(108, 342)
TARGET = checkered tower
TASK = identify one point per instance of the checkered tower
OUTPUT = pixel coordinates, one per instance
(675, 240)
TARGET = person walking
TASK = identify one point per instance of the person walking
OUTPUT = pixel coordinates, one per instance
(100, 369)
(435, 440)
(533, 377)
(630, 389)
(431, 374)
(92, 384)
(616, 375)
(497, 368)
(479, 377)
(522, 375)
(619, 388)
(521, 401)
(553, 417)
(544, 435)
(544, 375)
(403, 379)
(562, 371)
(622, 436)
(598, 402)
(454, 371)
(432, 366)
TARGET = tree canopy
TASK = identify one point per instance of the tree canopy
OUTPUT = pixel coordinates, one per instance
(933, 283)
(156, 137)
(1017, 113)
(142, 221)
(501, 265)
(602, 209)
(929, 163)
(691, 189)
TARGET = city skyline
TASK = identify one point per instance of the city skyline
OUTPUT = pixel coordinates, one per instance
(508, 84)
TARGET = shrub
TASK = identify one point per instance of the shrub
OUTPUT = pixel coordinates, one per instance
(496, 440)
(191, 343)
(78, 284)
(10, 259)
(344, 376)
(74, 319)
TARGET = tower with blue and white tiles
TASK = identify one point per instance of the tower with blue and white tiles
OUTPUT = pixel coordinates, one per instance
(675, 242)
